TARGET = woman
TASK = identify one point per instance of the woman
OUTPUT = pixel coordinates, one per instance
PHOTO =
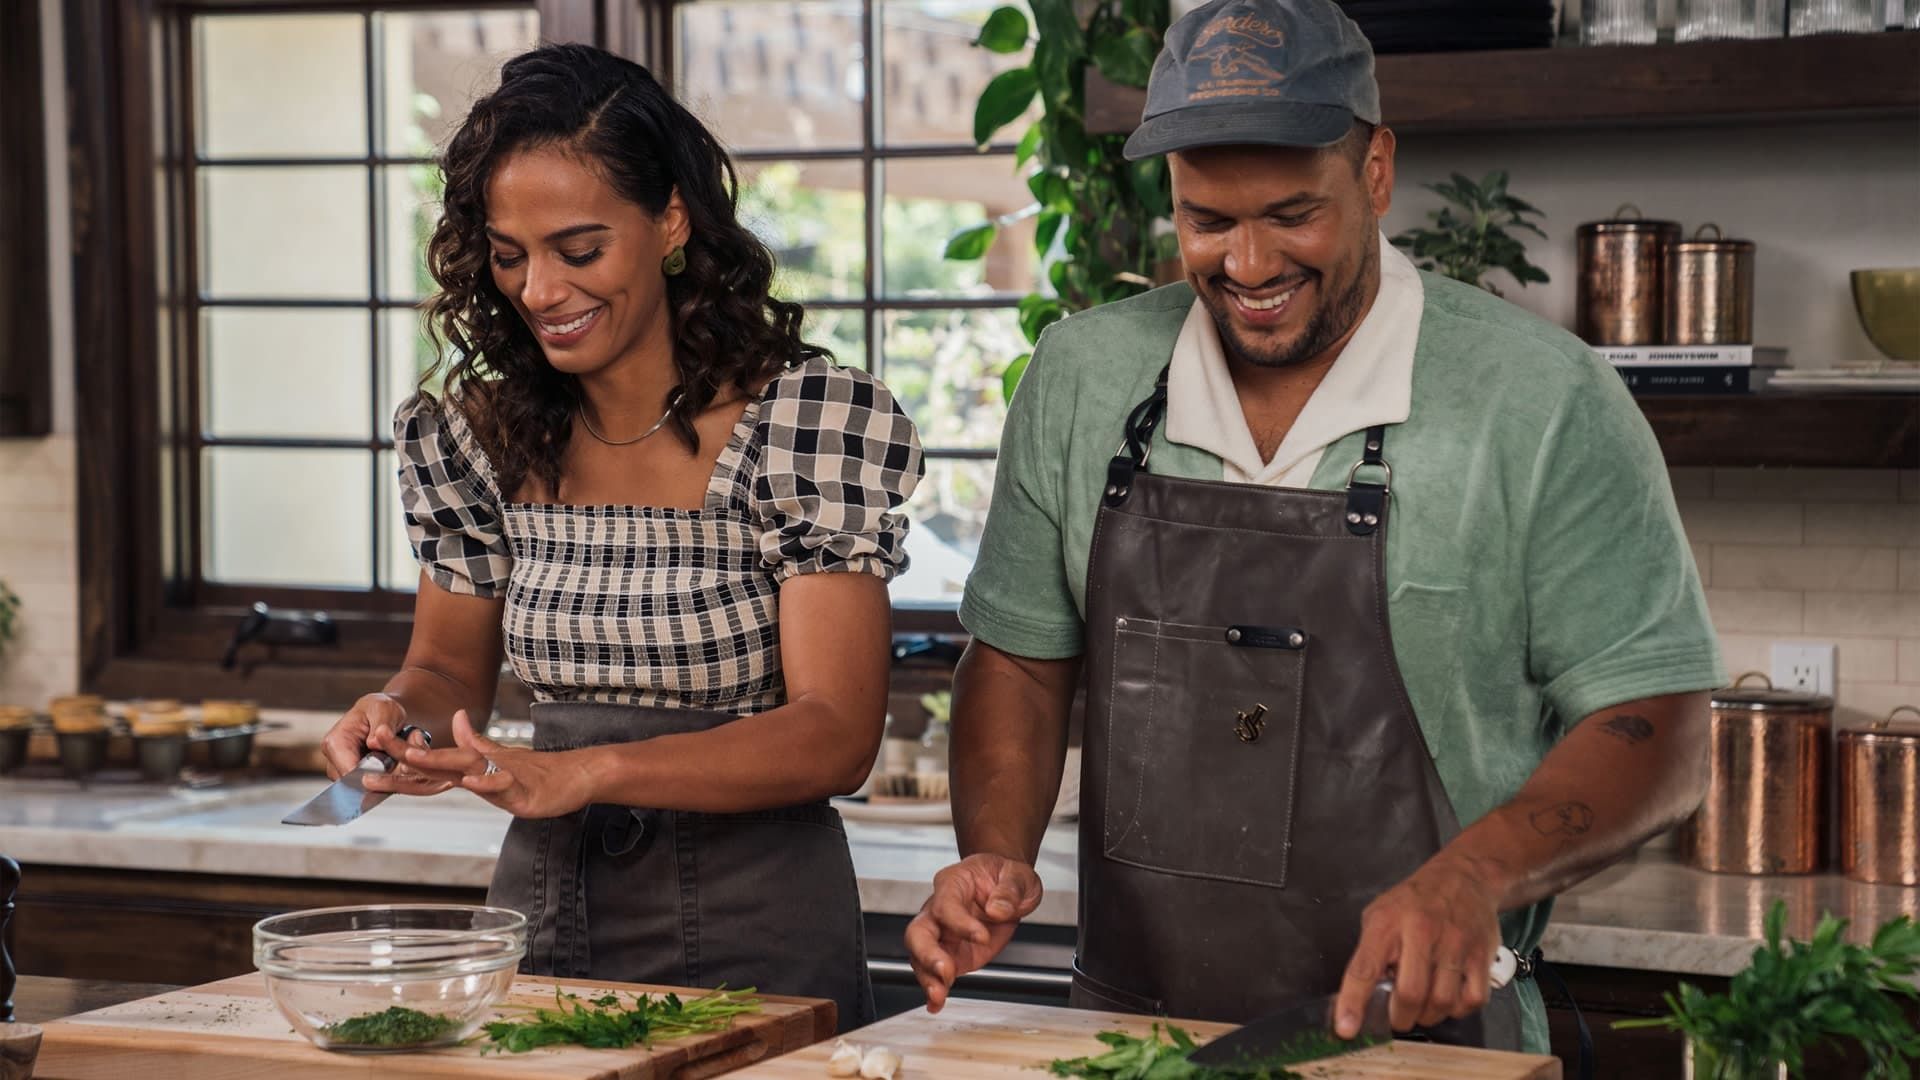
(677, 520)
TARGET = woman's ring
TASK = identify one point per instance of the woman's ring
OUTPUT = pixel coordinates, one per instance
(491, 768)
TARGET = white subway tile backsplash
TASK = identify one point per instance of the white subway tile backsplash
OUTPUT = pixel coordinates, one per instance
(1807, 485)
(1862, 614)
(1865, 659)
(1755, 610)
(1765, 566)
(1909, 661)
(1883, 524)
(1867, 703)
(1746, 652)
(1711, 521)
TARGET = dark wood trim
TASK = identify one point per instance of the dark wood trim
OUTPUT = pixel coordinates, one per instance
(1852, 431)
(1842, 75)
(26, 342)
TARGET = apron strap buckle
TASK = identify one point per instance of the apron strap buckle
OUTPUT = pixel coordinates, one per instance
(1366, 501)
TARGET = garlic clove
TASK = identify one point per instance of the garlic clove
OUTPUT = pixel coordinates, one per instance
(880, 1063)
(845, 1060)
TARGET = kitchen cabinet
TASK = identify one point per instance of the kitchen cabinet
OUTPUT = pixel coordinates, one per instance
(26, 361)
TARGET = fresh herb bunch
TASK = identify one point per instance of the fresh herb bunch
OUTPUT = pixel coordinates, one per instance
(1106, 214)
(9, 613)
(1152, 1058)
(393, 1026)
(1797, 995)
(603, 1023)
(1469, 238)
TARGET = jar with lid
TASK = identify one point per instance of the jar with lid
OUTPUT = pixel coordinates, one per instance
(1621, 264)
(1879, 778)
(1766, 805)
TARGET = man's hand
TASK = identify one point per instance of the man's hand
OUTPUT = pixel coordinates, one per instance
(1437, 932)
(970, 917)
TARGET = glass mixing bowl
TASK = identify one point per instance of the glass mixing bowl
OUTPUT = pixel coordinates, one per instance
(389, 978)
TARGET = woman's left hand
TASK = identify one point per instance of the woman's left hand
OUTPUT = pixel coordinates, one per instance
(525, 783)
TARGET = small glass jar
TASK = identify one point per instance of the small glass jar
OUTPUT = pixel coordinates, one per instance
(1619, 22)
(1713, 20)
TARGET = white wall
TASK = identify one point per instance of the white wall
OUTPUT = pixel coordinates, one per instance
(1817, 199)
(37, 523)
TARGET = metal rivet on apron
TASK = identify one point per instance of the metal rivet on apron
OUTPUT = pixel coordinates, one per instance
(1371, 519)
(1119, 624)
(1233, 635)
(1296, 639)
(1373, 444)
(1353, 517)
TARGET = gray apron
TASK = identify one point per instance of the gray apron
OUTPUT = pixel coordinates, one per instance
(1253, 772)
(765, 899)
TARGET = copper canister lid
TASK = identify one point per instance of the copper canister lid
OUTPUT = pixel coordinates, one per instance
(1767, 699)
(1891, 733)
(1715, 243)
(1620, 222)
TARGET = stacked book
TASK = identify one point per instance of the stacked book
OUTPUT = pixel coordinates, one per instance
(1694, 369)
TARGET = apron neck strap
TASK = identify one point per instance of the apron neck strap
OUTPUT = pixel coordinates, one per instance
(1133, 454)
(1367, 501)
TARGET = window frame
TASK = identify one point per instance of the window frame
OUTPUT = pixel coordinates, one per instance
(148, 625)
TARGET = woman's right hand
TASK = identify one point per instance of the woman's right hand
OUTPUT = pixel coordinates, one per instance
(371, 725)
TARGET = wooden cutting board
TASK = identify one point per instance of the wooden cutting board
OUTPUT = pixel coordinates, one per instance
(985, 1040)
(231, 1031)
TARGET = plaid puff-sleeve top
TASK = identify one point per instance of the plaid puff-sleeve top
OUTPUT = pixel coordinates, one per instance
(656, 606)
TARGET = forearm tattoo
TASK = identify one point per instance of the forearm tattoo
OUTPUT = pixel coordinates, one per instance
(1564, 819)
(1630, 729)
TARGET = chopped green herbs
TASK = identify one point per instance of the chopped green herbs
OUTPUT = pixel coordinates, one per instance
(1796, 995)
(395, 1026)
(603, 1023)
(1151, 1058)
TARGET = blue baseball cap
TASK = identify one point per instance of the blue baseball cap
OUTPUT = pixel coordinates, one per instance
(1257, 72)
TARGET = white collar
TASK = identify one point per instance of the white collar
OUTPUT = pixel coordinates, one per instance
(1371, 382)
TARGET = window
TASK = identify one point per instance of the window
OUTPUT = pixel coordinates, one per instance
(312, 190)
(857, 192)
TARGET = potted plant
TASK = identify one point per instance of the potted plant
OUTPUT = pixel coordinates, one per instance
(1469, 237)
(1098, 213)
(1797, 995)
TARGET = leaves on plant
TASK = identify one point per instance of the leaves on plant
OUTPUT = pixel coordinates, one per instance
(1002, 102)
(1469, 238)
(1005, 31)
(1010, 378)
(1127, 59)
(971, 242)
(1028, 144)
(1044, 231)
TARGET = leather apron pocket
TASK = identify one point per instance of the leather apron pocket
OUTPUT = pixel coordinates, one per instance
(1206, 718)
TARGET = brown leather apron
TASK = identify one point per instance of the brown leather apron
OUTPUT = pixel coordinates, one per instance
(764, 899)
(1253, 772)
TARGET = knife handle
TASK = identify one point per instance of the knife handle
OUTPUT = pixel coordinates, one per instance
(1505, 966)
(380, 762)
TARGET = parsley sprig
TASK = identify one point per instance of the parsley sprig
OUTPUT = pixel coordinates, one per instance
(1797, 995)
(1149, 1057)
(604, 1023)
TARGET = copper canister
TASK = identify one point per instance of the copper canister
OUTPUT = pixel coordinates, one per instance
(1880, 801)
(1621, 262)
(1765, 810)
(1709, 290)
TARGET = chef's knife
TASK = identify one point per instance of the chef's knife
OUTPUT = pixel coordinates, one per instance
(1293, 1029)
(347, 798)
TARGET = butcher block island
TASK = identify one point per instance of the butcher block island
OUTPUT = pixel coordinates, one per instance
(982, 1040)
(230, 1030)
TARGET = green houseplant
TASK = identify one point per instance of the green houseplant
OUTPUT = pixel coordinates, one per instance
(9, 616)
(1797, 995)
(1469, 237)
(1097, 208)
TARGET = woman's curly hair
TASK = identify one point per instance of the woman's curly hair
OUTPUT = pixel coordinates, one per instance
(727, 329)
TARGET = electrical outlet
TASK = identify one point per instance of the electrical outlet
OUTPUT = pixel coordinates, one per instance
(1806, 666)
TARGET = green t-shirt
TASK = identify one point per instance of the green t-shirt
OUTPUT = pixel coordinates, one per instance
(1536, 567)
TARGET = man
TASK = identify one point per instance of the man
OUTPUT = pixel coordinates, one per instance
(1379, 556)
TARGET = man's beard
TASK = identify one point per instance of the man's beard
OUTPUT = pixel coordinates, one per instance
(1334, 319)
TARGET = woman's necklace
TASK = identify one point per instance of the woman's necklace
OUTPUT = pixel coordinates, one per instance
(657, 424)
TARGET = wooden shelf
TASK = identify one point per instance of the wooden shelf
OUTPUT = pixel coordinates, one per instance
(1857, 431)
(1843, 75)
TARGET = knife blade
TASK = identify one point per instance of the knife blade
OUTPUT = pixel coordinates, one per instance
(1308, 1027)
(346, 798)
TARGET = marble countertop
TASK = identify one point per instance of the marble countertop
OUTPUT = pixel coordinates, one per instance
(1647, 913)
